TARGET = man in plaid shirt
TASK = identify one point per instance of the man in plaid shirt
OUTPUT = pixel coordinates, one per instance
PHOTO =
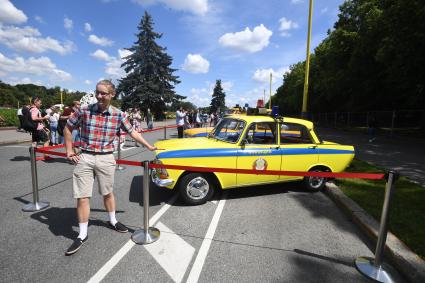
(99, 123)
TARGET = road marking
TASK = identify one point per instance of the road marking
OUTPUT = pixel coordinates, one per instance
(115, 259)
(195, 272)
(171, 252)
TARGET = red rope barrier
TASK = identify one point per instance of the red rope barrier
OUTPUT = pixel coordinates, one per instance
(42, 150)
(129, 162)
(273, 172)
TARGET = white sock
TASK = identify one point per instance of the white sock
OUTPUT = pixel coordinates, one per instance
(112, 218)
(83, 230)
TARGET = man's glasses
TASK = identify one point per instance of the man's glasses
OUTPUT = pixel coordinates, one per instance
(101, 93)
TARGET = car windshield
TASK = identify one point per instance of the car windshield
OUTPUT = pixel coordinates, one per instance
(228, 130)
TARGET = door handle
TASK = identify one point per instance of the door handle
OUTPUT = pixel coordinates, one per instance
(275, 147)
(312, 147)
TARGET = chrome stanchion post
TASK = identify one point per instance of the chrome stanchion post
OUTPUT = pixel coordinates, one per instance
(375, 268)
(36, 205)
(165, 132)
(148, 234)
(118, 166)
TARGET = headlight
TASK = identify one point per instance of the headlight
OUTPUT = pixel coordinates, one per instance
(162, 172)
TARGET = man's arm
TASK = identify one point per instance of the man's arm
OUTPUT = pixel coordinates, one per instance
(138, 137)
(70, 154)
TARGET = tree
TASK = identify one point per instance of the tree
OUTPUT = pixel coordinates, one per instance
(149, 82)
(218, 97)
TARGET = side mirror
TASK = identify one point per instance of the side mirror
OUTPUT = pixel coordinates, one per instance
(243, 142)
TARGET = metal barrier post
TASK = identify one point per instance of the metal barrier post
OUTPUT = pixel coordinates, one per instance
(376, 269)
(165, 131)
(36, 205)
(148, 234)
(118, 166)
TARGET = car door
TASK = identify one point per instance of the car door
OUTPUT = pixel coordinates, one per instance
(259, 151)
(299, 152)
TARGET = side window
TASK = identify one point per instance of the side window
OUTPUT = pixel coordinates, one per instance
(294, 134)
(262, 133)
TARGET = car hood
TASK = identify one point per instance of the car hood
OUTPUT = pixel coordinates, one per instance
(189, 144)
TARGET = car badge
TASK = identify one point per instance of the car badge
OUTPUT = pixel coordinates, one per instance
(259, 164)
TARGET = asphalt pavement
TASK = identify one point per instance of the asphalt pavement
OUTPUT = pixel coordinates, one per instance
(276, 233)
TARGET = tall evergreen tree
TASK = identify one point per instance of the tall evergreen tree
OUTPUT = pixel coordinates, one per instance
(218, 97)
(149, 82)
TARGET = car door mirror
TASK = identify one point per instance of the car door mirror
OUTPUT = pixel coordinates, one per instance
(243, 142)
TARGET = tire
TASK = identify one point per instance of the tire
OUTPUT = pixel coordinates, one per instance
(315, 184)
(196, 188)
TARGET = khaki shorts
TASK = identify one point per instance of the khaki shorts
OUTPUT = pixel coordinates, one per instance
(89, 166)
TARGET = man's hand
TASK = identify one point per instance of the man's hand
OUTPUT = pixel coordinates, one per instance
(73, 157)
(152, 148)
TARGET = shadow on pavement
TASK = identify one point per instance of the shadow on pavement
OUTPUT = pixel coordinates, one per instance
(61, 221)
(157, 196)
(20, 158)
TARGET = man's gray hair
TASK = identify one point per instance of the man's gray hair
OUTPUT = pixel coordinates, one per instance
(107, 83)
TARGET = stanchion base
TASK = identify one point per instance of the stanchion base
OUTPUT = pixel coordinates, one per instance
(140, 237)
(35, 206)
(120, 168)
(384, 273)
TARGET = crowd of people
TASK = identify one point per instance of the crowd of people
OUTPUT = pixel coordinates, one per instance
(46, 125)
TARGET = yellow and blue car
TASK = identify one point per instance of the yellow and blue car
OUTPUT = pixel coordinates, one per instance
(248, 142)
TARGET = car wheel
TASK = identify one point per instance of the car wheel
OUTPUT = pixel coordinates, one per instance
(196, 188)
(314, 184)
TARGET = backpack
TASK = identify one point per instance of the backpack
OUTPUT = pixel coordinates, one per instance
(28, 124)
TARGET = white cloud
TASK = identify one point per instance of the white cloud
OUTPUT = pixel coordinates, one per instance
(196, 64)
(9, 14)
(102, 41)
(25, 80)
(124, 53)
(285, 26)
(263, 75)
(67, 23)
(324, 10)
(247, 40)
(41, 66)
(39, 19)
(28, 39)
(197, 7)
(227, 86)
(199, 101)
(101, 55)
(87, 82)
(87, 27)
(297, 1)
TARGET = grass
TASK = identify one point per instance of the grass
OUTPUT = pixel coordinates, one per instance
(8, 117)
(407, 210)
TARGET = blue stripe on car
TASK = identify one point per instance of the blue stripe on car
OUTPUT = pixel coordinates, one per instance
(226, 152)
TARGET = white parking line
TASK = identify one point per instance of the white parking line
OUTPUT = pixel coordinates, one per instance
(108, 266)
(195, 272)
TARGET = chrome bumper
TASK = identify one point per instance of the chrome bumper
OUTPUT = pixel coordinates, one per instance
(160, 182)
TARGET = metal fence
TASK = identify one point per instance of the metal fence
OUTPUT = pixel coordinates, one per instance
(388, 121)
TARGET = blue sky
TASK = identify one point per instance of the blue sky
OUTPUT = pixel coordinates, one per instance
(75, 43)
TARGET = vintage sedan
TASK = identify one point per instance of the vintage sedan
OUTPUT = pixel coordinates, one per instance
(248, 142)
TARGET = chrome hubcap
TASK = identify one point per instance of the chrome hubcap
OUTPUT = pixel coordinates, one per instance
(316, 182)
(197, 188)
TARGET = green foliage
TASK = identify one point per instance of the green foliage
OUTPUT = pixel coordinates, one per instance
(218, 98)
(10, 96)
(407, 213)
(372, 59)
(9, 117)
(150, 81)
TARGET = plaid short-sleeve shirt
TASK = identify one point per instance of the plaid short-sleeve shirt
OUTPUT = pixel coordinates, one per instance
(99, 130)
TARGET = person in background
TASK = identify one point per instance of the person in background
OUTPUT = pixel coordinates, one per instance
(198, 119)
(371, 128)
(180, 121)
(21, 119)
(76, 132)
(54, 120)
(99, 124)
(149, 119)
(40, 134)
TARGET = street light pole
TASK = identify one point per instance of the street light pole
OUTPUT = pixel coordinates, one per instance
(304, 113)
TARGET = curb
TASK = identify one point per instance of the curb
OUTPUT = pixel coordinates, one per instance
(409, 264)
(14, 142)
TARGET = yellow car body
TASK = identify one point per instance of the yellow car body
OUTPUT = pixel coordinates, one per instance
(248, 142)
